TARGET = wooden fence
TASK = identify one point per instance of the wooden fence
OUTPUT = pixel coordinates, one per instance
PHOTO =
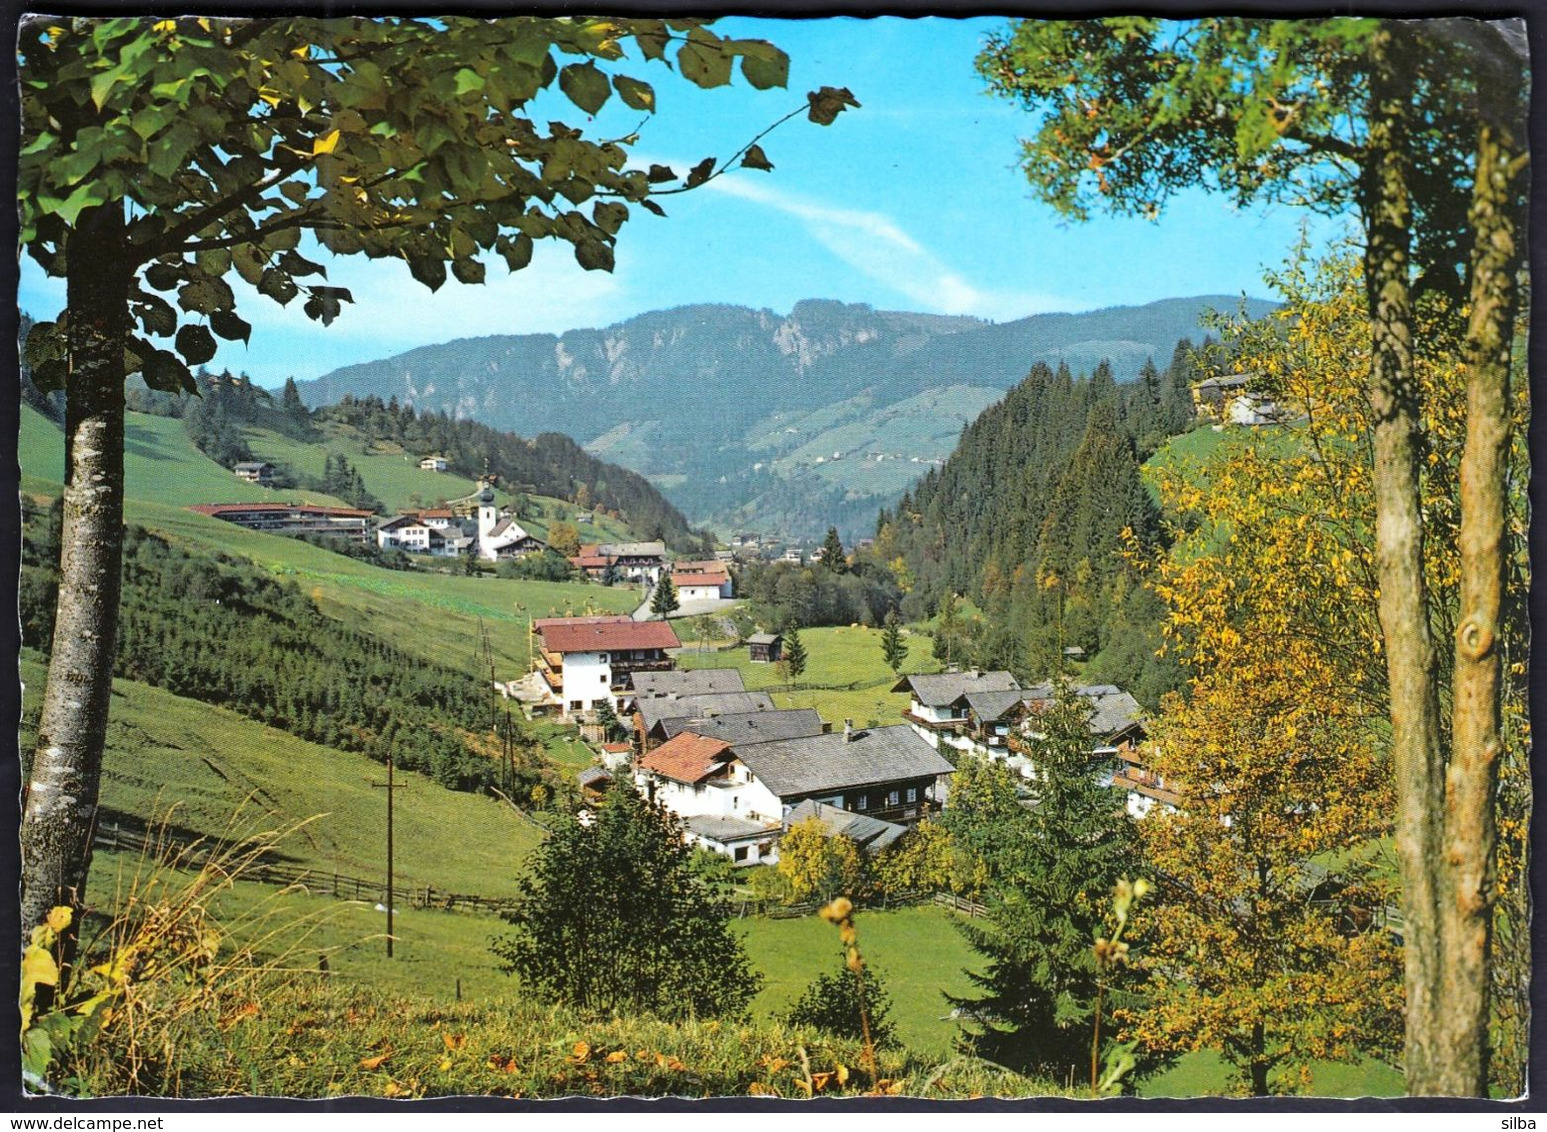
(191, 851)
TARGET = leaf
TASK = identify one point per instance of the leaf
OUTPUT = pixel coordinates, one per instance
(828, 102)
(517, 251)
(653, 207)
(467, 270)
(593, 255)
(765, 70)
(453, 1041)
(659, 174)
(327, 143)
(704, 65)
(323, 308)
(164, 276)
(755, 158)
(163, 372)
(156, 315)
(585, 85)
(196, 344)
(277, 286)
(635, 94)
(581, 1051)
(230, 326)
(204, 295)
(249, 263)
(375, 1062)
(59, 917)
(468, 81)
(428, 269)
(294, 264)
(616, 1056)
(609, 216)
(700, 172)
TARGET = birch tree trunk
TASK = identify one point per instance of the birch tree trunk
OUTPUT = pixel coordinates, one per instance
(59, 806)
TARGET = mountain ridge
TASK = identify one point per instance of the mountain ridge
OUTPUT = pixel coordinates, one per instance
(696, 385)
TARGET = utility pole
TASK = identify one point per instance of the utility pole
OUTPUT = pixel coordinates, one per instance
(391, 788)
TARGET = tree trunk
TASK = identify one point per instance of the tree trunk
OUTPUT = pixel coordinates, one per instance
(60, 799)
(1472, 775)
(1404, 619)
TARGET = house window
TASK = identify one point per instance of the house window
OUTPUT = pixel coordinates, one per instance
(741, 852)
(862, 802)
(576, 705)
(913, 794)
(602, 676)
(891, 798)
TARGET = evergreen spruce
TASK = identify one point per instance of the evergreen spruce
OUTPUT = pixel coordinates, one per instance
(833, 558)
(663, 603)
(1050, 872)
(794, 656)
(893, 648)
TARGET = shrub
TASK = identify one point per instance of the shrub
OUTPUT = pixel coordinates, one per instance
(832, 1004)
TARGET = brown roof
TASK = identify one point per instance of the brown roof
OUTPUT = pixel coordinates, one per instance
(687, 758)
(304, 508)
(437, 513)
(698, 579)
(583, 634)
(591, 561)
(708, 566)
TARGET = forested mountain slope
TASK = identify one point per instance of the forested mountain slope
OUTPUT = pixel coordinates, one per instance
(752, 418)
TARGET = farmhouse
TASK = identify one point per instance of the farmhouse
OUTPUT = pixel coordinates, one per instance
(293, 518)
(700, 586)
(884, 773)
(261, 474)
(586, 661)
(652, 711)
(435, 463)
(1118, 730)
(636, 561)
(688, 682)
(742, 727)
(937, 706)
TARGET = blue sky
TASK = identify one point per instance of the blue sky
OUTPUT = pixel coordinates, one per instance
(913, 202)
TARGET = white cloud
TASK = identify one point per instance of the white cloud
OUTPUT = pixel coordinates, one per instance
(874, 244)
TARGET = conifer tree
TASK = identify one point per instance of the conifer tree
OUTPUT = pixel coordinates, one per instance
(893, 648)
(794, 655)
(833, 557)
(664, 602)
(1050, 871)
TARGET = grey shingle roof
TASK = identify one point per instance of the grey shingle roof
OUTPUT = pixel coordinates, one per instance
(939, 690)
(750, 727)
(870, 834)
(688, 682)
(1114, 708)
(817, 763)
(594, 774)
(727, 829)
(989, 706)
(763, 638)
(657, 708)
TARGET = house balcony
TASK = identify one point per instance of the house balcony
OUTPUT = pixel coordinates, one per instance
(951, 726)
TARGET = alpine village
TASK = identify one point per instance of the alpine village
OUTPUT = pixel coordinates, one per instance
(826, 701)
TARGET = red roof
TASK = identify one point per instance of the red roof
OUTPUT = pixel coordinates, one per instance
(591, 561)
(698, 579)
(303, 508)
(585, 634)
(542, 623)
(688, 757)
(437, 513)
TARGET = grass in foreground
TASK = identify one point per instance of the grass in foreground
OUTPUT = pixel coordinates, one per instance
(165, 751)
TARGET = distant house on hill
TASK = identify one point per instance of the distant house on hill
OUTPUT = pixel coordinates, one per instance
(765, 648)
(1230, 399)
(261, 474)
(701, 586)
(435, 463)
(587, 661)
